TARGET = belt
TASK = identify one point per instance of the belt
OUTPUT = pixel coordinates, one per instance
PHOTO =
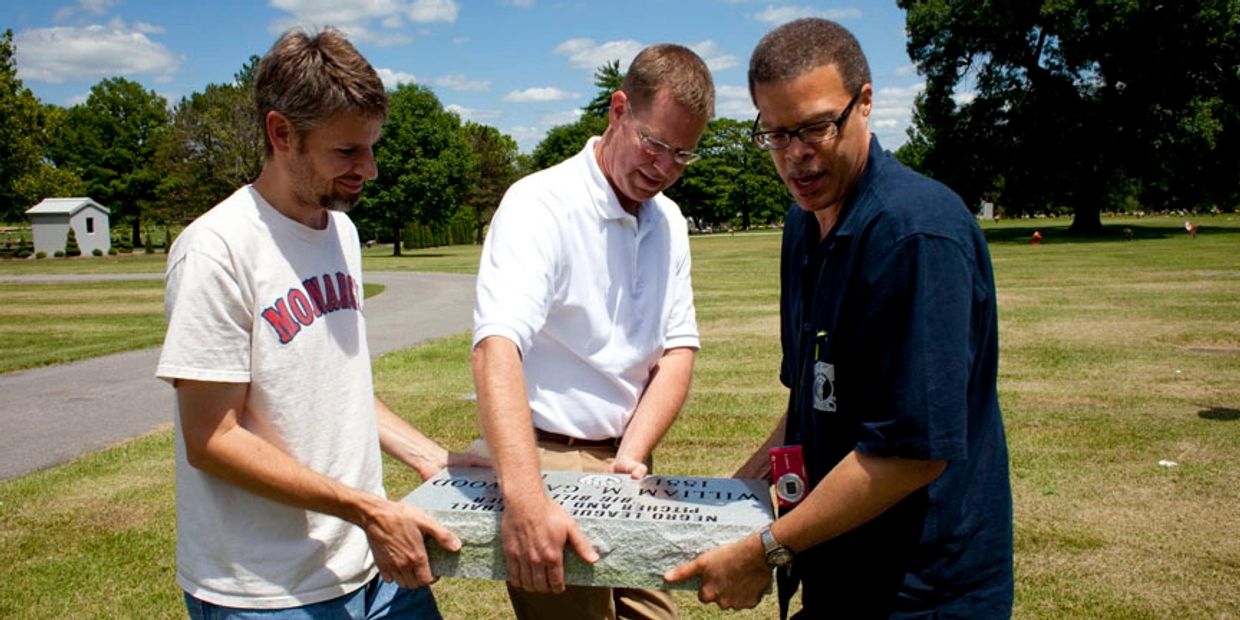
(610, 442)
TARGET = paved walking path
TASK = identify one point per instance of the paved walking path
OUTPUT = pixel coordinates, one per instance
(54, 414)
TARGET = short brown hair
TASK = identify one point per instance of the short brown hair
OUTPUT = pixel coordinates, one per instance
(677, 70)
(800, 46)
(310, 78)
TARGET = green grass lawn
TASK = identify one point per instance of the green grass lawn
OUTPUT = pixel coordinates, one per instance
(1116, 354)
(58, 322)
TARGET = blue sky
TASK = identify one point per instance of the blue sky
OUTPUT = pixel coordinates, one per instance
(523, 66)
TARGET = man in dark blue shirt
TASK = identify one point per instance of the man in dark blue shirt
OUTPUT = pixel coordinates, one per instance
(890, 350)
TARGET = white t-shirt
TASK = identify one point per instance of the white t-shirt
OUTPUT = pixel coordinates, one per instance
(591, 295)
(255, 297)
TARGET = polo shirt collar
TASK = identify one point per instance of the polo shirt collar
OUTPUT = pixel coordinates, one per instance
(857, 207)
(606, 204)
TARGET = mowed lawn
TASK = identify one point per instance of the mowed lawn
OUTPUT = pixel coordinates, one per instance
(1116, 354)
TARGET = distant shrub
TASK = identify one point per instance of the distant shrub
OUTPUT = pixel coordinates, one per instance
(23, 253)
(96, 252)
(71, 244)
(59, 254)
(148, 244)
(40, 254)
(112, 252)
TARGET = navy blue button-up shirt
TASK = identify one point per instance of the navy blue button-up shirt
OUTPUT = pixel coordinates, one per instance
(890, 348)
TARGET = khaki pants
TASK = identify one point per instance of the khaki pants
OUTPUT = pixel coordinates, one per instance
(580, 601)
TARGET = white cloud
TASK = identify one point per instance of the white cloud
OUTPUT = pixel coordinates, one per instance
(96, 6)
(543, 94)
(964, 98)
(781, 14)
(893, 113)
(461, 83)
(339, 13)
(392, 79)
(525, 4)
(560, 118)
(586, 54)
(906, 70)
(434, 10)
(146, 28)
(733, 102)
(716, 57)
(352, 17)
(64, 53)
(460, 40)
(527, 137)
(474, 114)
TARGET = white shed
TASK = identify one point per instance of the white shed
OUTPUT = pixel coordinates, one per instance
(52, 218)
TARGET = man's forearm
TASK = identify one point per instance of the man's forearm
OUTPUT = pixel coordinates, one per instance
(855, 491)
(660, 403)
(407, 444)
(504, 414)
(217, 444)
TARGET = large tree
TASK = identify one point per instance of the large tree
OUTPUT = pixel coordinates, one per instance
(607, 79)
(20, 125)
(733, 182)
(1079, 104)
(214, 145)
(564, 141)
(110, 141)
(424, 165)
(498, 166)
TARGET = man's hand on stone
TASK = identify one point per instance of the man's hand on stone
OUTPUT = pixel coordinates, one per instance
(735, 576)
(628, 465)
(394, 531)
(534, 532)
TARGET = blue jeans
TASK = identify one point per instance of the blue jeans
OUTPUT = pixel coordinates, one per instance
(378, 599)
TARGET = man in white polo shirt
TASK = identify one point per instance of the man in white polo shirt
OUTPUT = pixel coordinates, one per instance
(584, 327)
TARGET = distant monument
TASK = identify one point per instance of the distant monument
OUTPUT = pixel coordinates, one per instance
(640, 528)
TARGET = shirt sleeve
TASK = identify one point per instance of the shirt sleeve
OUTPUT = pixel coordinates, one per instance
(682, 330)
(915, 359)
(209, 323)
(517, 272)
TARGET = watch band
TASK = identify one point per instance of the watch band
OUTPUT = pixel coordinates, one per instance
(777, 555)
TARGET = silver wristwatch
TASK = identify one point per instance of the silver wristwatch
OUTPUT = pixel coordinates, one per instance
(777, 555)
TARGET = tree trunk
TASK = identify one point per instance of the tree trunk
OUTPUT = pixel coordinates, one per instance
(396, 240)
(136, 233)
(1086, 220)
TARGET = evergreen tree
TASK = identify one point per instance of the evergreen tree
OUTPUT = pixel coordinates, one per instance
(71, 244)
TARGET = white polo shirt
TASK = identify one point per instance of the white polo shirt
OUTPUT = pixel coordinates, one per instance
(591, 295)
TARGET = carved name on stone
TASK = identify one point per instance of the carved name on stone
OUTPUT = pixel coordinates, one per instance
(640, 528)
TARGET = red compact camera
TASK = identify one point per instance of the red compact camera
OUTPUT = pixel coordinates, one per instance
(788, 475)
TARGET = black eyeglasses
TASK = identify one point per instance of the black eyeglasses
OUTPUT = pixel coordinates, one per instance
(811, 133)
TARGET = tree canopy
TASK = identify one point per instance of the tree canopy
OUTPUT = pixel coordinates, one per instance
(110, 141)
(214, 146)
(26, 175)
(1080, 105)
(734, 182)
(496, 154)
(424, 164)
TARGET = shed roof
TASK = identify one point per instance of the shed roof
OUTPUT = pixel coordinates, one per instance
(64, 206)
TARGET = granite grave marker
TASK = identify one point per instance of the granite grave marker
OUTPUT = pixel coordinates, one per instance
(640, 528)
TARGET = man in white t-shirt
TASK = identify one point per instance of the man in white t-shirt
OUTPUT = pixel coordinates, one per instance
(584, 327)
(281, 510)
